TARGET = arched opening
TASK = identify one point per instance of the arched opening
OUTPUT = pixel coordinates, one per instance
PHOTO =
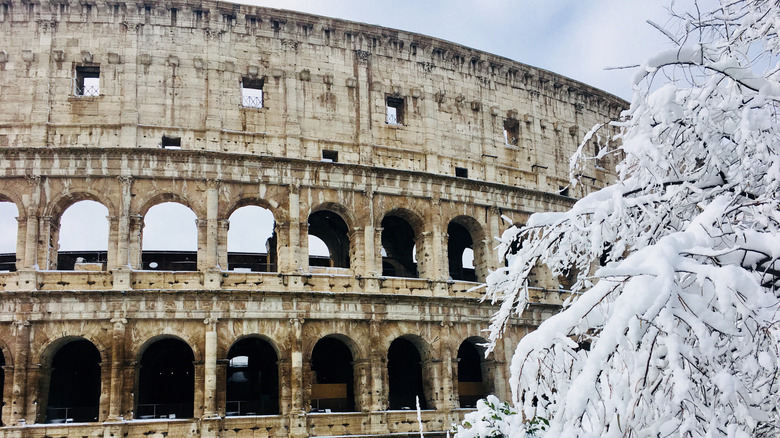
(333, 387)
(170, 238)
(166, 380)
(2, 386)
(398, 243)
(83, 237)
(251, 240)
(471, 385)
(10, 230)
(252, 386)
(404, 375)
(74, 384)
(331, 229)
(459, 242)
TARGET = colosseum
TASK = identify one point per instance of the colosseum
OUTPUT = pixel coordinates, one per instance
(401, 153)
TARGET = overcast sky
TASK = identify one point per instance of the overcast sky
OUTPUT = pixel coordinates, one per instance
(575, 38)
(580, 39)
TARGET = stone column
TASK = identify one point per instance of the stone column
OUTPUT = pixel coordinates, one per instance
(135, 241)
(113, 236)
(212, 225)
(494, 228)
(31, 236)
(222, 253)
(123, 237)
(379, 384)
(449, 394)
(297, 409)
(117, 365)
(210, 369)
(50, 238)
(21, 355)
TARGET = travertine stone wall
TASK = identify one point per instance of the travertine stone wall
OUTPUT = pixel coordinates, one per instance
(175, 70)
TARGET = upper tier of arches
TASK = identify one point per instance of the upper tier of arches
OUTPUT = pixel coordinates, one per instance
(213, 76)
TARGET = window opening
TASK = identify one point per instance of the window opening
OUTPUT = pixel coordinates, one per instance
(394, 110)
(252, 385)
(9, 227)
(252, 240)
(74, 384)
(174, 13)
(461, 172)
(398, 241)
(471, 386)
(404, 374)
(330, 156)
(170, 238)
(252, 92)
(170, 142)
(332, 232)
(333, 376)
(86, 82)
(459, 241)
(166, 381)
(83, 237)
(511, 132)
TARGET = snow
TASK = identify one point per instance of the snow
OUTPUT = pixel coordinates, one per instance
(684, 318)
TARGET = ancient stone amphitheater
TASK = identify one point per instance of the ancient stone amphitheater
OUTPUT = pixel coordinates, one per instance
(399, 151)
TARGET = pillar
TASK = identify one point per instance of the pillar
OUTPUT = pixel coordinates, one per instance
(212, 225)
(117, 365)
(210, 370)
(123, 236)
(21, 355)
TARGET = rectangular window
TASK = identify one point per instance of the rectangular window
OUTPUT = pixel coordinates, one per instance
(171, 142)
(252, 92)
(87, 82)
(330, 156)
(394, 111)
(511, 132)
(461, 172)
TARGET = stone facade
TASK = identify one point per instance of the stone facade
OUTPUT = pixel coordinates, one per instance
(218, 106)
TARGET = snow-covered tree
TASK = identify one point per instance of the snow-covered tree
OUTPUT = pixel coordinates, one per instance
(677, 261)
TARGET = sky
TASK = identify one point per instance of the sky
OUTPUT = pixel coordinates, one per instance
(581, 39)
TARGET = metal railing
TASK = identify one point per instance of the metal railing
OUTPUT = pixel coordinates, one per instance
(163, 410)
(246, 407)
(72, 414)
(252, 101)
(393, 119)
(87, 91)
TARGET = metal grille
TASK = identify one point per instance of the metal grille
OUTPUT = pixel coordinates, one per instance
(87, 91)
(253, 101)
(392, 119)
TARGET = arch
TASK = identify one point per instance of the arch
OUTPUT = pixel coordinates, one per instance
(251, 239)
(464, 233)
(170, 238)
(332, 229)
(333, 375)
(83, 236)
(252, 383)
(66, 199)
(405, 374)
(471, 375)
(166, 380)
(400, 229)
(70, 384)
(9, 233)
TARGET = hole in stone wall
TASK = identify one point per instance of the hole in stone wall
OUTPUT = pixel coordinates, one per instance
(470, 380)
(333, 377)
(10, 229)
(461, 172)
(170, 142)
(86, 81)
(170, 238)
(398, 242)
(251, 240)
(459, 241)
(394, 111)
(330, 156)
(74, 384)
(252, 92)
(511, 132)
(166, 381)
(83, 237)
(404, 374)
(252, 385)
(332, 232)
